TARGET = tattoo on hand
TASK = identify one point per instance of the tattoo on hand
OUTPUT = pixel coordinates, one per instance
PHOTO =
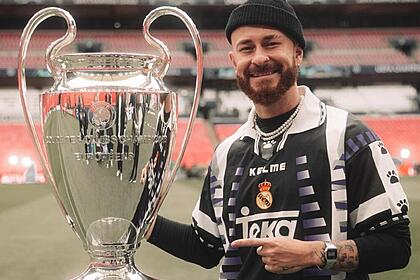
(321, 256)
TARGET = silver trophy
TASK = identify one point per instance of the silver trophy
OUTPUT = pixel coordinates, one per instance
(108, 133)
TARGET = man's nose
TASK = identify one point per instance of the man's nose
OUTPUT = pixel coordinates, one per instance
(260, 57)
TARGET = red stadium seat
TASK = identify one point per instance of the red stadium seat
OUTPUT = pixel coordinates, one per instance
(331, 46)
(397, 133)
(200, 148)
(15, 141)
(225, 130)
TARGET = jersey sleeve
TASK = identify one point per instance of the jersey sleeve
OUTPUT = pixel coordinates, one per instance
(376, 199)
(203, 217)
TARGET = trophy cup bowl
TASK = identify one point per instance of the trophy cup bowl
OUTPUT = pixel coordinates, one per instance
(108, 133)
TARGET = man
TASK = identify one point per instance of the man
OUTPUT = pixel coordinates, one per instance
(302, 190)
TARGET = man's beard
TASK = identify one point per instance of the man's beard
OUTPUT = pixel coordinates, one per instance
(267, 94)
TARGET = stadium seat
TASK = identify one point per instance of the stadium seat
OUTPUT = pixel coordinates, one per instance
(330, 46)
(16, 142)
(199, 149)
(225, 130)
(397, 133)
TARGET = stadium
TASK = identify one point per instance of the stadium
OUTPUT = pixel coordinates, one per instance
(362, 56)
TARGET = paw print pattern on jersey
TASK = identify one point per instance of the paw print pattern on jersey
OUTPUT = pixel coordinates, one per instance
(383, 149)
(392, 175)
(403, 204)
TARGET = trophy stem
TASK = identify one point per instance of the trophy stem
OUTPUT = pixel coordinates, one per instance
(111, 243)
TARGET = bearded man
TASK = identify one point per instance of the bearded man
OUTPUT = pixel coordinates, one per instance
(302, 190)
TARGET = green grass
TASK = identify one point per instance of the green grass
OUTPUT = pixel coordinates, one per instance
(412, 271)
(36, 243)
(12, 196)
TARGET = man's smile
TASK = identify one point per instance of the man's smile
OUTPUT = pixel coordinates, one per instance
(264, 71)
(262, 74)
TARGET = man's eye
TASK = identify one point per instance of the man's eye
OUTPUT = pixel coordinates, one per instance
(245, 49)
(272, 44)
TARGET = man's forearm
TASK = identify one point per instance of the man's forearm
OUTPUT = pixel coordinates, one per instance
(372, 253)
(383, 251)
(180, 240)
(347, 256)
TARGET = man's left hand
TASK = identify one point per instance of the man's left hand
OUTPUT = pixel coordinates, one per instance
(284, 255)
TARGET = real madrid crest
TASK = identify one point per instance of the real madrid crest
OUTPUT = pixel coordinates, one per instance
(264, 198)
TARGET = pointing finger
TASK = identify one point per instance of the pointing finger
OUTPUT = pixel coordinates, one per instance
(252, 242)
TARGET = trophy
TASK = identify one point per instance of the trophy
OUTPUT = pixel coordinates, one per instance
(108, 133)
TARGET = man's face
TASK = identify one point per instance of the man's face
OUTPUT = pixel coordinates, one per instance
(266, 62)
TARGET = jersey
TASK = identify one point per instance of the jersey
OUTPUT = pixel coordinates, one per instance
(329, 178)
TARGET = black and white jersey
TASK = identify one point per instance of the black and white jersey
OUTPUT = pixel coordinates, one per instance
(329, 178)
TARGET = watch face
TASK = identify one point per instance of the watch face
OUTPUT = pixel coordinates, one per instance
(331, 253)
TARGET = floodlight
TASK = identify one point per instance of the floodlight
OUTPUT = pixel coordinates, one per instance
(13, 160)
(26, 161)
(405, 153)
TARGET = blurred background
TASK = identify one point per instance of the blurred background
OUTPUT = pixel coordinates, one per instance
(361, 55)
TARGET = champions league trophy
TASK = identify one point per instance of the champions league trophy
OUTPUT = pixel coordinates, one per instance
(108, 134)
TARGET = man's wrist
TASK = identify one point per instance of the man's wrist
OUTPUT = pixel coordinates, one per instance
(330, 254)
(340, 255)
(318, 254)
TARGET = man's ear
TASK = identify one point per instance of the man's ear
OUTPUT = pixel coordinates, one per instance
(232, 58)
(299, 55)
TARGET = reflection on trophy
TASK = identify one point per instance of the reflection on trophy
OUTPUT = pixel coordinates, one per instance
(109, 126)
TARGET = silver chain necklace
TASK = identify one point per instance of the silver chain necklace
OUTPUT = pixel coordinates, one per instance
(268, 136)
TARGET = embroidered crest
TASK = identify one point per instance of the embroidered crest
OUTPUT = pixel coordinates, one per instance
(264, 198)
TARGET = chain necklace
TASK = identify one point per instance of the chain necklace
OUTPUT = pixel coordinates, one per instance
(268, 136)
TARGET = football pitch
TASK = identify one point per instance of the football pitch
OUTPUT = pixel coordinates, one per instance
(36, 243)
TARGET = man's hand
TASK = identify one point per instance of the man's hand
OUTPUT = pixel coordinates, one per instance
(284, 255)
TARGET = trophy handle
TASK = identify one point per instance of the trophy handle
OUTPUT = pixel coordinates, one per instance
(154, 14)
(154, 42)
(51, 51)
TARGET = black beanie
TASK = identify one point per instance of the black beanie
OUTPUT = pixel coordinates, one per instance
(278, 14)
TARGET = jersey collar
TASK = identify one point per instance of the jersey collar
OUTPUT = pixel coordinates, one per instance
(311, 114)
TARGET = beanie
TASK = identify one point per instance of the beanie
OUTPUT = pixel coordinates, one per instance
(278, 14)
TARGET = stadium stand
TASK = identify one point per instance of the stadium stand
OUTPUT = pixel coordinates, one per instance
(223, 131)
(331, 47)
(374, 99)
(345, 57)
(401, 136)
(350, 46)
(200, 146)
(15, 145)
(398, 132)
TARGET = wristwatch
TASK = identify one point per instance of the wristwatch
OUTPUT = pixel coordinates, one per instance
(330, 253)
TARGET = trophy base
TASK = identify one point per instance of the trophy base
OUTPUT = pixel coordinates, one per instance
(127, 272)
(111, 243)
